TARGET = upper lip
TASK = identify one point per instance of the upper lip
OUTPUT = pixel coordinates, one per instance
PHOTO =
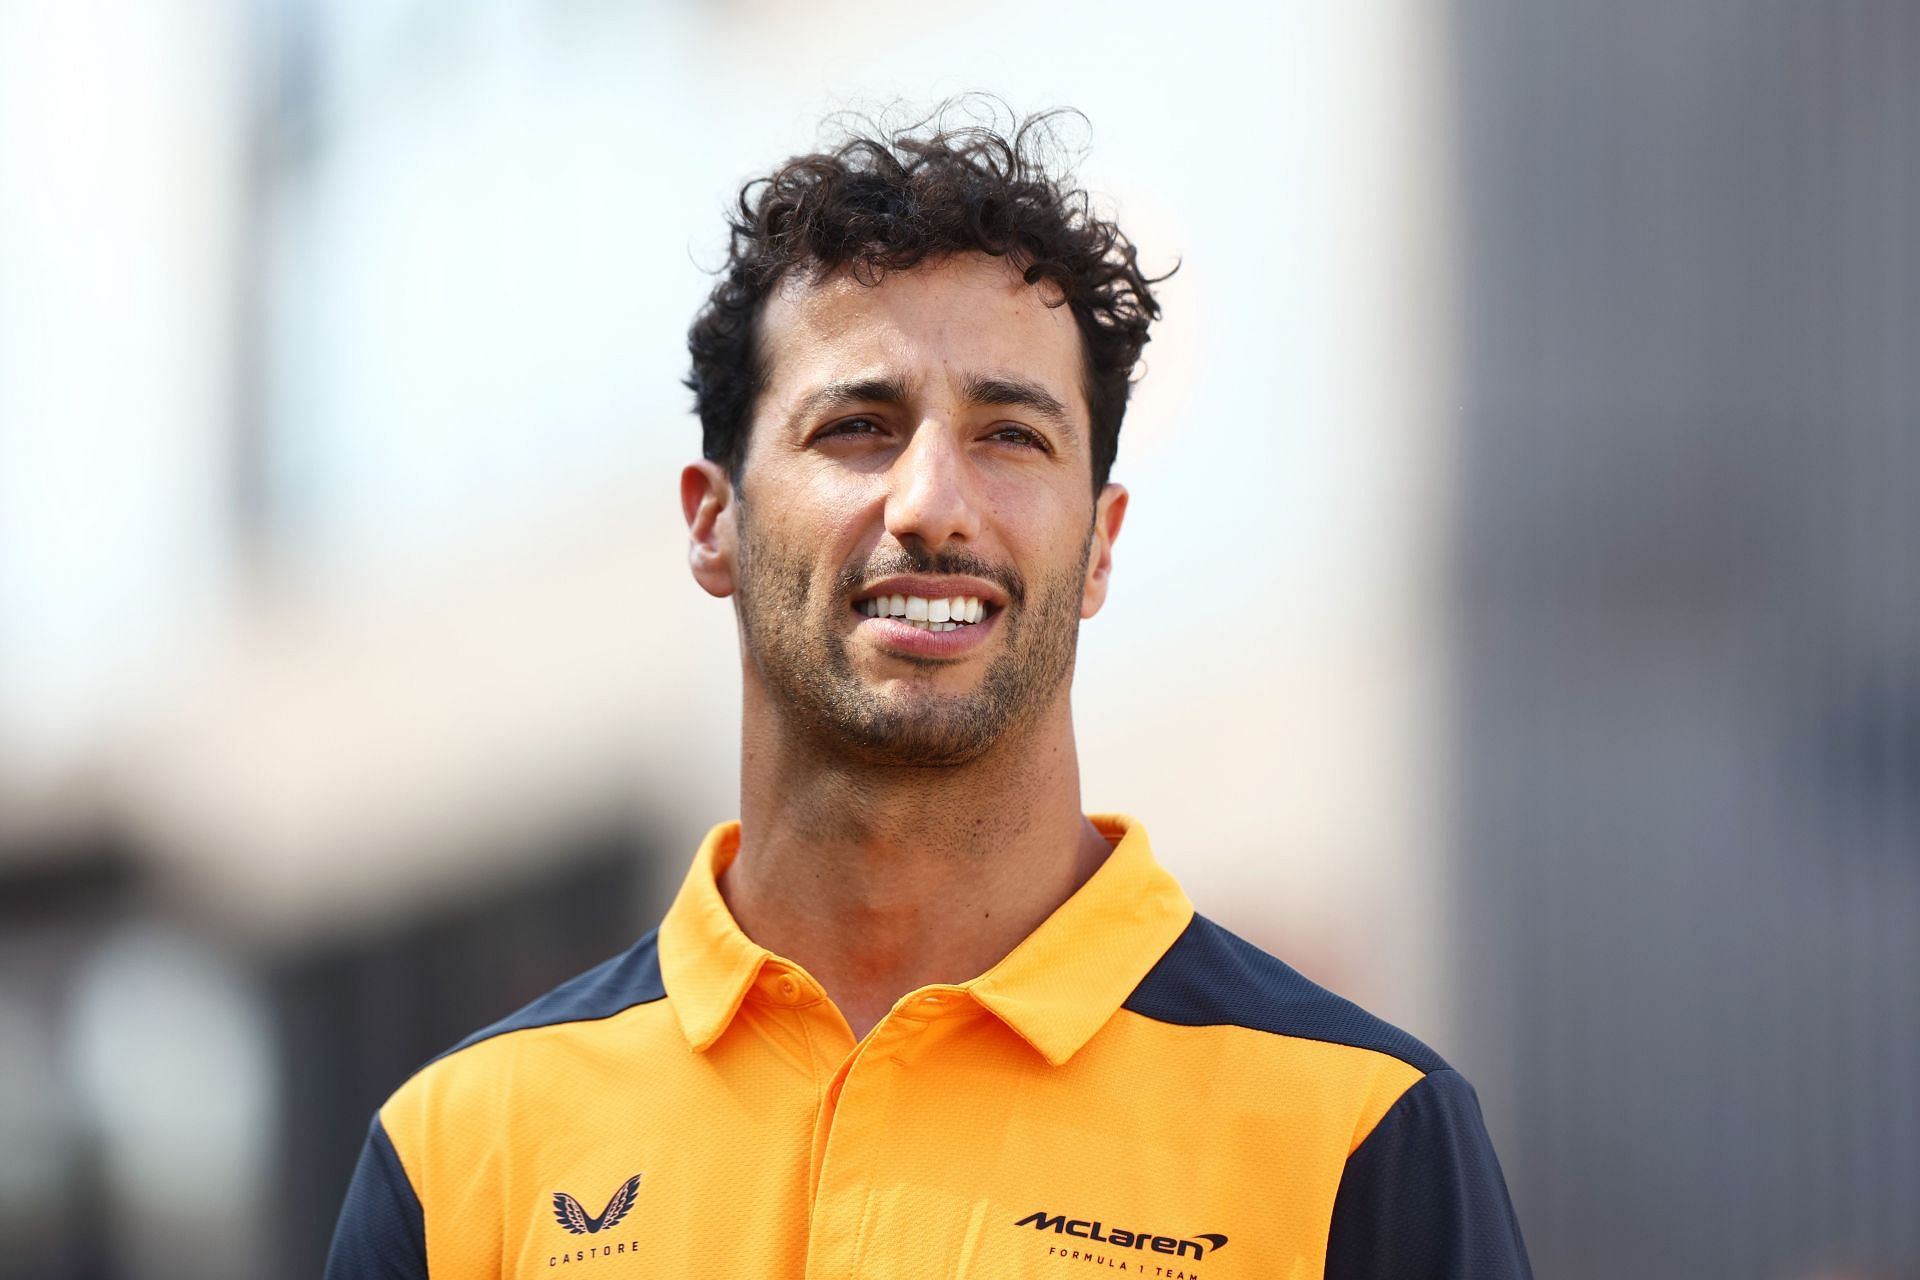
(933, 588)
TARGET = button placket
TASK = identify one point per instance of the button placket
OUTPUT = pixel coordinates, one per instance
(854, 1128)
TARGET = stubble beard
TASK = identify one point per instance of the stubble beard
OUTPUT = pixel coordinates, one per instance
(799, 644)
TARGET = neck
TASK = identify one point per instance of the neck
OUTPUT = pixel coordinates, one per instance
(881, 880)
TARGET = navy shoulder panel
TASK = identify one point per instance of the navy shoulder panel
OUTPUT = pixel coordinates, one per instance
(630, 978)
(1422, 1197)
(1211, 978)
(380, 1234)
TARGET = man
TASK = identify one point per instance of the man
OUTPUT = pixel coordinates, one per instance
(915, 1014)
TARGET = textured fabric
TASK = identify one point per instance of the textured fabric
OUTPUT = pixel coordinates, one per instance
(1131, 1088)
(1211, 978)
(614, 986)
(379, 1236)
(1423, 1198)
(1054, 990)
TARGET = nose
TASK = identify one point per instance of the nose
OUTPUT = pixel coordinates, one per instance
(931, 494)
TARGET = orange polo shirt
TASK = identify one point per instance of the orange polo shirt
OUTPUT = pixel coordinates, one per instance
(1131, 1090)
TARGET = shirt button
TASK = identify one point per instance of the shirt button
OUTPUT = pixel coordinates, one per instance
(932, 1002)
(789, 989)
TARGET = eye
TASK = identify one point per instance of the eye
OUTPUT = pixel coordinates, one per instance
(1020, 436)
(850, 427)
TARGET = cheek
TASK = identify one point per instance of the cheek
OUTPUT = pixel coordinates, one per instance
(1054, 531)
(1017, 502)
(804, 534)
(836, 513)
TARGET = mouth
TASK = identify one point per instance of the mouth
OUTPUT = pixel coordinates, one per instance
(942, 613)
(929, 616)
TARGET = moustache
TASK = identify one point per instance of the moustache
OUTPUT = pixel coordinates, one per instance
(906, 560)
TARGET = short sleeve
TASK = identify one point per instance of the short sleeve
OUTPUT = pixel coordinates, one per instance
(1422, 1197)
(381, 1234)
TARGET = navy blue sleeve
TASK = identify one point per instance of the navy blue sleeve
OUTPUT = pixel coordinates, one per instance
(381, 1234)
(1422, 1197)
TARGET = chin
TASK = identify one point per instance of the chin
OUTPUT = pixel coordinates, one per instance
(922, 735)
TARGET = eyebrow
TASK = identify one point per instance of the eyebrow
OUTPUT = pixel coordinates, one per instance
(977, 388)
(1003, 389)
(889, 388)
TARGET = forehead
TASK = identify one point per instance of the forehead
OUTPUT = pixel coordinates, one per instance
(936, 323)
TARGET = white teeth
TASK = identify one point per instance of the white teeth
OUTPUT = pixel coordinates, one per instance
(935, 615)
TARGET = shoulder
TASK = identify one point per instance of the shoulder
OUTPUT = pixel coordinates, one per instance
(1419, 1190)
(629, 979)
(437, 1147)
(1424, 1194)
(1211, 977)
(564, 1025)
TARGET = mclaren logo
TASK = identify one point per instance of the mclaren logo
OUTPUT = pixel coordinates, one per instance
(1058, 1223)
(567, 1210)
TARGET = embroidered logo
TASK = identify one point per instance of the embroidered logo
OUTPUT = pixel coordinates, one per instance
(569, 1214)
(1058, 1223)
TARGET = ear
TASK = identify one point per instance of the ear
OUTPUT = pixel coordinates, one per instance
(1109, 511)
(706, 497)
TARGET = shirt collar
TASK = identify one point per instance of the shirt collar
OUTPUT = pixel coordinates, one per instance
(706, 962)
(1059, 986)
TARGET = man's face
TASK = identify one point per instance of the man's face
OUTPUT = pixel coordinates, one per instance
(922, 444)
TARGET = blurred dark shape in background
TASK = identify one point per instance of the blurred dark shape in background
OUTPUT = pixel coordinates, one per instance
(212, 1095)
(1688, 594)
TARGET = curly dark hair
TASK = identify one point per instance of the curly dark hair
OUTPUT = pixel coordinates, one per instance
(886, 200)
